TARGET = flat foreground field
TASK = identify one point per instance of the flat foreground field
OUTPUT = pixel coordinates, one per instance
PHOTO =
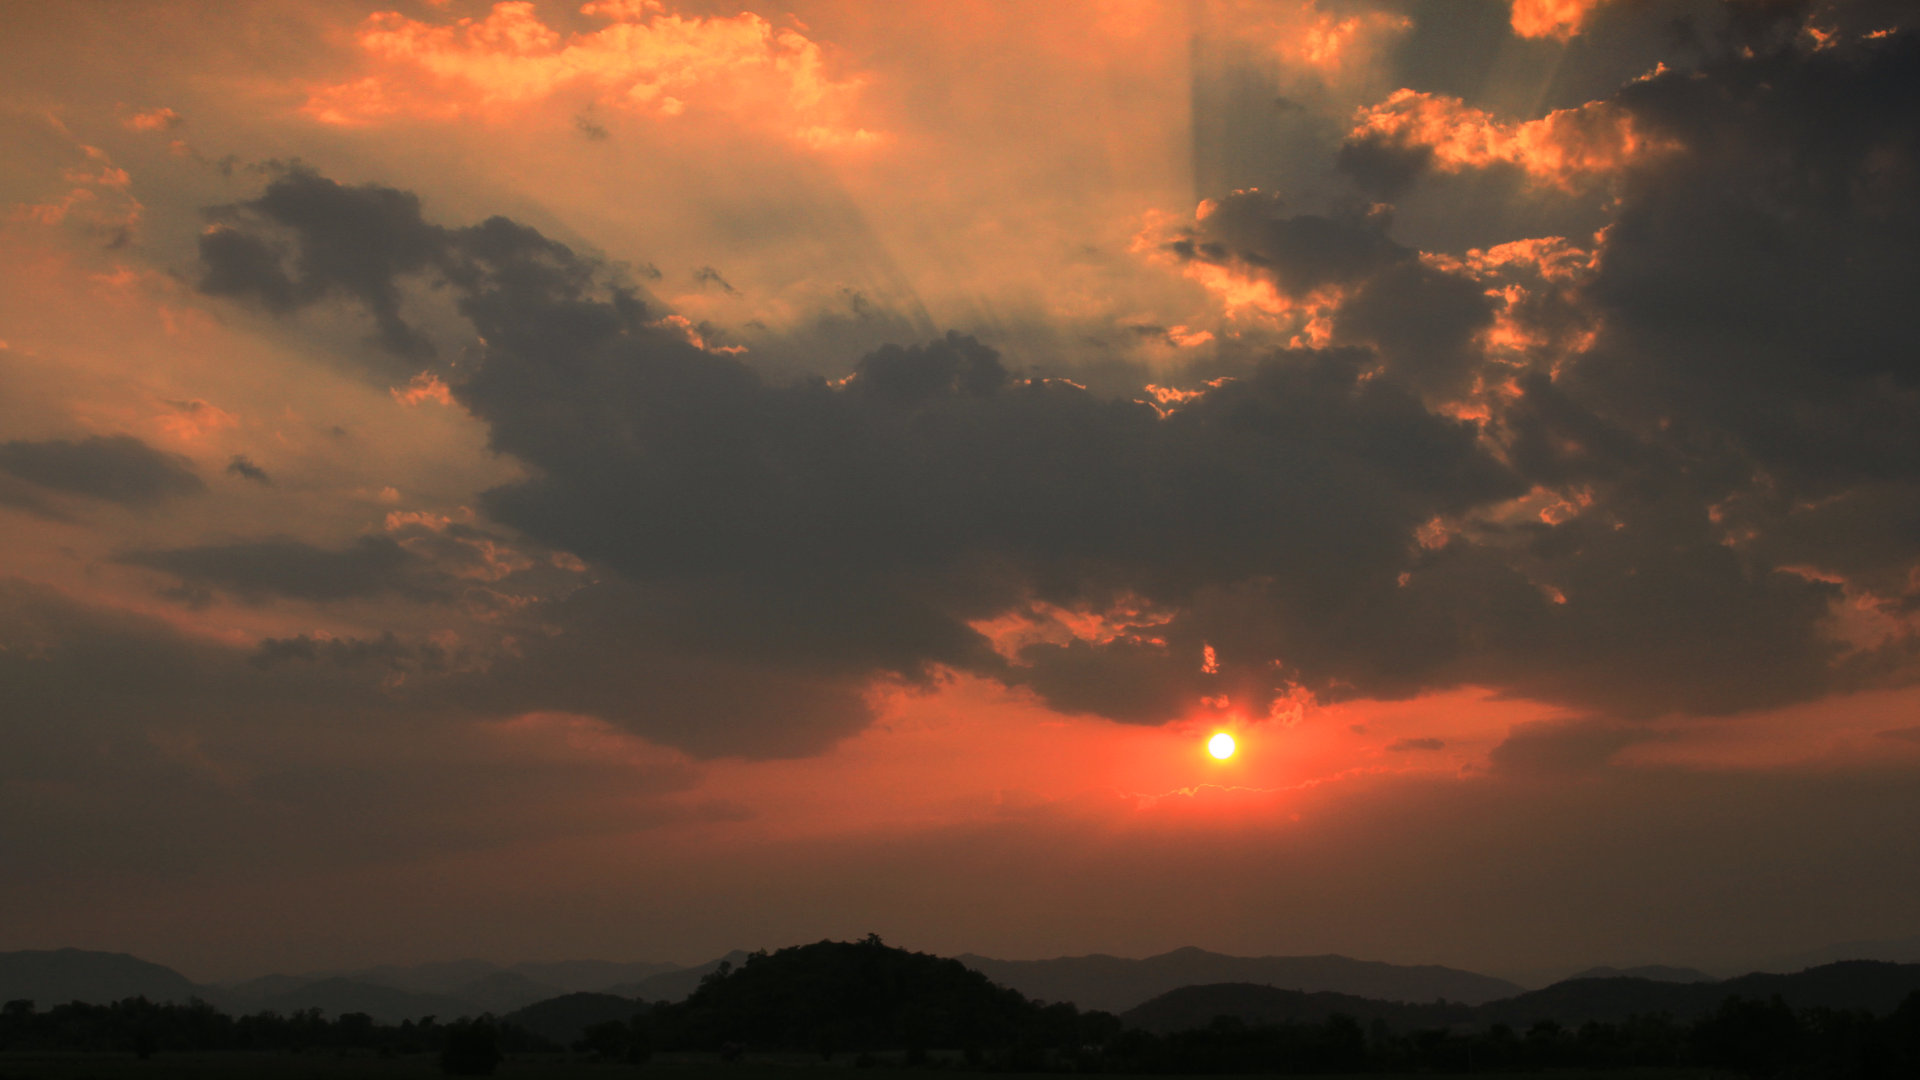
(329, 1066)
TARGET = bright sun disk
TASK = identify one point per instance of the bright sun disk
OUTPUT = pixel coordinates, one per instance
(1221, 745)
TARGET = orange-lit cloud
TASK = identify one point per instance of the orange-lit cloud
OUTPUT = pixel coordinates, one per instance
(191, 421)
(647, 61)
(421, 389)
(162, 119)
(1329, 44)
(99, 197)
(1130, 619)
(1567, 148)
(1551, 18)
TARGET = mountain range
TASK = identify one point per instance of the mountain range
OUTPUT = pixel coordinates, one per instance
(1116, 984)
(1853, 985)
(1175, 990)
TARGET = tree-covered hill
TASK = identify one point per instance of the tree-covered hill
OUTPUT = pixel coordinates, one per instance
(832, 996)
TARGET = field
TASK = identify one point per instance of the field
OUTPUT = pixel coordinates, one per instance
(238, 1066)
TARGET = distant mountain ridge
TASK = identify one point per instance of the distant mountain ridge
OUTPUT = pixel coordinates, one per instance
(1116, 984)
(1870, 985)
(1192, 1007)
(1858, 985)
(1400, 996)
(57, 976)
(1654, 972)
(675, 985)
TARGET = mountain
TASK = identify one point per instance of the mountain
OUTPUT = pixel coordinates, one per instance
(596, 975)
(58, 976)
(564, 1019)
(1193, 1007)
(1895, 950)
(1856, 984)
(504, 991)
(1653, 972)
(865, 995)
(674, 985)
(445, 977)
(386, 1004)
(476, 986)
(1116, 984)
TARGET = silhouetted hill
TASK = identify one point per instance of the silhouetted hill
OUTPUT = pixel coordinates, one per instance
(336, 997)
(1654, 972)
(863, 995)
(57, 976)
(676, 984)
(1858, 984)
(564, 1019)
(1116, 984)
(1193, 1007)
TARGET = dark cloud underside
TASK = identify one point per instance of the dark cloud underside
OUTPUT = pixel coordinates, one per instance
(794, 540)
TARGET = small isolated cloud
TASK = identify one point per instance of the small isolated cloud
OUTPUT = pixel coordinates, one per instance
(243, 467)
(1404, 745)
(162, 119)
(1905, 734)
(707, 275)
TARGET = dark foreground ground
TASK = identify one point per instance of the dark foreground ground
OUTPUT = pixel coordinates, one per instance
(237, 1065)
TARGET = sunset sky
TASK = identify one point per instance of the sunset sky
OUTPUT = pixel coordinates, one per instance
(643, 479)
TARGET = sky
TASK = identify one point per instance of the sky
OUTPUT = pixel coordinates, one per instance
(644, 479)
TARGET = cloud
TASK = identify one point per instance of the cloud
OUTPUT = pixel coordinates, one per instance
(243, 467)
(126, 736)
(350, 242)
(1551, 18)
(647, 61)
(1404, 745)
(1468, 470)
(112, 468)
(1340, 279)
(1554, 747)
(255, 570)
(1567, 149)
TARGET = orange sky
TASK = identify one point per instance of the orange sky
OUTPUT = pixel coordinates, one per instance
(1140, 201)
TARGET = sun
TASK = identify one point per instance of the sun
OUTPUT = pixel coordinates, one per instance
(1221, 745)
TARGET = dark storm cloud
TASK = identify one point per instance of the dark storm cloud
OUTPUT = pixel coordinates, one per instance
(1419, 319)
(786, 543)
(257, 569)
(113, 468)
(766, 549)
(355, 243)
